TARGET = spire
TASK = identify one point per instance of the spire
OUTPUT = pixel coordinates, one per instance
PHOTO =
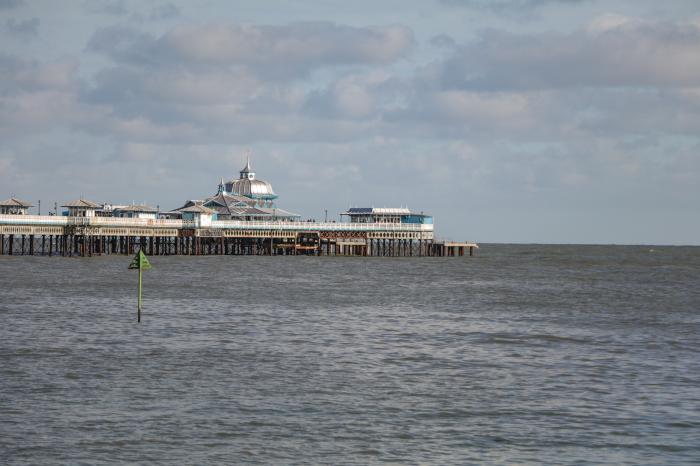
(247, 172)
(247, 161)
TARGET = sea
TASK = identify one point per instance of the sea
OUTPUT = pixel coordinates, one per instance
(522, 354)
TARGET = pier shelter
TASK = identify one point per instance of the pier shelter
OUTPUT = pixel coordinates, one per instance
(136, 211)
(81, 208)
(14, 206)
(199, 214)
(386, 215)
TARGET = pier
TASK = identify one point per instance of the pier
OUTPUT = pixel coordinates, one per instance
(241, 218)
(91, 236)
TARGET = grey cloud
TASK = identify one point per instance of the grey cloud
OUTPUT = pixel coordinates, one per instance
(442, 40)
(282, 51)
(139, 99)
(227, 85)
(609, 53)
(9, 4)
(167, 95)
(506, 5)
(128, 45)
(24, 29)
(34, 94)
(163, 11)
(106, 7)
(554, 115)
(20, 75)
(359, 96)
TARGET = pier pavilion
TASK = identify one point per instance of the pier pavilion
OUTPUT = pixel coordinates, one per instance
(246, 198)
(136, 211)
(81, 208)
(386, 215)
(13, 206)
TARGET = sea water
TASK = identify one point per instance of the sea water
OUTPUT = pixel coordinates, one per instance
(522, 354)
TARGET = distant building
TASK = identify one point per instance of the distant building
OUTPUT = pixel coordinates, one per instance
(107, 210)
(246, 198)
(135, 211)
(386, 215)
(203, 216)
(248, 186)
(14, 206)
(81, 208)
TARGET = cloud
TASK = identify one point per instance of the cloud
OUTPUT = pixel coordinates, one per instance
(442, 40)
(513, 4)
(21, 75)
(510, 6)
(527, 87)
(39, 96)
(160, 12)
(611, 52)
(23, 29)
(163, 11)
(235, 82)
(354, 96)
(9, 4)
(106, 7)
(283, 51)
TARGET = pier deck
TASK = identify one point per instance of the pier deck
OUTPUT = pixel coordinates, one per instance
(87, 236)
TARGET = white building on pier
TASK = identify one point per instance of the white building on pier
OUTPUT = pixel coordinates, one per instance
(14, 206)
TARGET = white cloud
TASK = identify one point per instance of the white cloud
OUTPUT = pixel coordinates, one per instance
(612, 51)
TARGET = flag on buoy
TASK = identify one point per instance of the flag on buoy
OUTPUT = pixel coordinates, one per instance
(140, 261)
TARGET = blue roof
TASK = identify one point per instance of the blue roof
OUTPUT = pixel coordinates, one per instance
(360, 210)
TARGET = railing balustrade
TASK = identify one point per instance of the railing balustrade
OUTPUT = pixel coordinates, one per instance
(216, 224)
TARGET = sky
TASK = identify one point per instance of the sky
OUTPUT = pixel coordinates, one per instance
(527, 121)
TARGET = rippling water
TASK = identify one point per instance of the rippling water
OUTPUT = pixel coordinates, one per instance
(521, 354)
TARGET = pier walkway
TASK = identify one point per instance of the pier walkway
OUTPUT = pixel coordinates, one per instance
(87, 236)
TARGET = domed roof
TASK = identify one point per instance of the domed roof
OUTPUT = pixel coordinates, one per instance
(250, 187)
(255, 189)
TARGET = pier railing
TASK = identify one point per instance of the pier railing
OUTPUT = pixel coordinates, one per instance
(51, 220)
(320, 226)
(55, 220)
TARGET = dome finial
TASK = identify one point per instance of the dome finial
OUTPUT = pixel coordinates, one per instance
(247, 160)
(247, 171)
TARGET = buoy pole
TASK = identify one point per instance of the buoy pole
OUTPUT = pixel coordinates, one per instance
(138, 312)
(139, 262)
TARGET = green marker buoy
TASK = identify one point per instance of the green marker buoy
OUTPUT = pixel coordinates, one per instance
(141, 263)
